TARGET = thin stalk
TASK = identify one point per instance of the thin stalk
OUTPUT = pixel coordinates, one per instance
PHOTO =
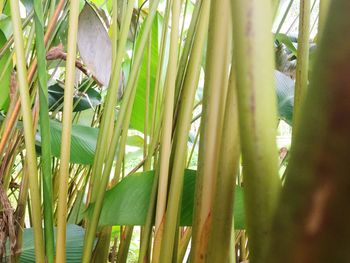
(127, 102)
(66, 132)
(124, 244)
(187, 48)
(284, 16)
(220, 242)
(192, 150)
(183, 244)
(11, 119)
(181, 134)
(148, 87)
(257, 118)
(52, 8)
(183, 26)
(103, 137)
(214, 99)
(157, 84)
(167, 121)
(45, 132)
(28, 131)
(302, 70)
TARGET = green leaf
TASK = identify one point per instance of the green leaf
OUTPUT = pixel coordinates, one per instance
(138, 111)
(285, 96)
(94, 44)
(84, 98)
(283, 38)
(83, 144)
(127, 202)
(74, 244)
(5, 75)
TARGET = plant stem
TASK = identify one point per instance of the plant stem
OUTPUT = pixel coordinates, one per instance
(302, 70)
(214, 99)
(28, 131)
(257, 118)
(45, 131)
(127, 102)
(310, 220)
(66, 132)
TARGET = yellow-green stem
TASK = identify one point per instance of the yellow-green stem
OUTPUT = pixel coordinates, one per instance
(302, 71)
(66, 132)
(254, 56)
(214, 98)
(28, 131)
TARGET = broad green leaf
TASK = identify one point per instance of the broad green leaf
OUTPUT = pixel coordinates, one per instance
(94, 44)
(83, 144)
(74, 244)
(84, 98)
(138, 111)
(5, 75)
(285, 96)
(127, 202)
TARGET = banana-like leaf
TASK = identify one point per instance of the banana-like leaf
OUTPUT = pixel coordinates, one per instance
(127, 203)
(74, 245)
(83, 144)
(138, 112)
(5, 75)
(84, 98)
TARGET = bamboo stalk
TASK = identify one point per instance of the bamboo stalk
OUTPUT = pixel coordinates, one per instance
(302, 70)
(66, 132)
(214, 98)
(220, 247)
(310, 220)
(28, 131)
(123, 116)
(257, 118)
(45, 131)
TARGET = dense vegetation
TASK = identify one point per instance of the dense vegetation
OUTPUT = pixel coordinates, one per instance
(150, 131)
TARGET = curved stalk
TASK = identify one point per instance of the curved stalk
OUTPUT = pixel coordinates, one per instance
(28, 132)
(66, 132)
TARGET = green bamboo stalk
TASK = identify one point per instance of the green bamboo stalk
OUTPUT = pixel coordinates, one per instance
(220, 245)
(302, 70)
(66, 132)
(157, 92)
(181, 135)
(187, 48)
(214, 98)
(127, 102)
(168, 109)
(257, 118)
(45, 131)
(311, 220)
(108, 114)
(28, 131)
